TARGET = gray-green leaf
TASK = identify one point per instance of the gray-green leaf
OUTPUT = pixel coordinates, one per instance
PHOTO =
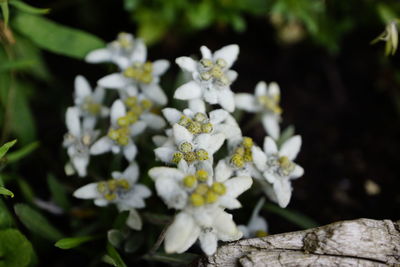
(4, 148)
(72, 242)
(15, 249)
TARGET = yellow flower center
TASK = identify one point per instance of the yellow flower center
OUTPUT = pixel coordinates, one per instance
(189, 181)
(142, 73)
(243, 154)
(261, 233)
(215, 71)
(202, 175)
(109, 189)
(124, 41)
(120, 135)
(91, 106)
(204, 194)
(270, 103)
(199, 124)
(286, 165)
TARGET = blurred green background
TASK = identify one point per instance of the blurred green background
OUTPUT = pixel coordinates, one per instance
(341, 93)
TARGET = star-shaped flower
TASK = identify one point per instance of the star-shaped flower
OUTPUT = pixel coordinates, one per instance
(202, 199)
(266, 101)
(278, 168)
(212, 77)
(257, 225)
(122, 52)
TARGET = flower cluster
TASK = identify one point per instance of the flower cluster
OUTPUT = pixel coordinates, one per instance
(208, 161)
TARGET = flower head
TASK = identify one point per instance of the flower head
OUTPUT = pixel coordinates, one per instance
(257, 225)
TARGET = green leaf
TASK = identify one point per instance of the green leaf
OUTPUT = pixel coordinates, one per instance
(295, 217)
(22, 152)
(15, 249)
(27, 8)
(179, 259)
(26, 189)
(55, 37)
(72, 242)
(36, 222)
(4, 148)
(4, 191)
(114, 255)
(22, 64)
(6, 219)
(58, 193)
(6, 12)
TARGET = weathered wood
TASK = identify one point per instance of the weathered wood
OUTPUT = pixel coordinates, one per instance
(362, 242)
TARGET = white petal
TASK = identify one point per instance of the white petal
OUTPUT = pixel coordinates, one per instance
(131, 173)
(80, 164)
(226, 227)
(72, 121)
(246, 102)
(172, 115)
(205, 52)
(261, 89)
(101, 146)
(237, 185)
(232, 75)
(98, 94)
(113, 81)
(283, 191)
(153, 121)
(131, 90)
(181, 234)
(159, 140)
(160, 67)
(222, 171)
(271, 125)
(140, 52)
(82, 88)
(270, 177)
(98, 55)
(226, 99)
(130, 151)
(186, 63)
(138, 128)
(229, 53)
(218, 116)
(229, 202)
(291, 147)
(259, 158)
(158, 172)
(258, 223)
(134, 221)
(181, 134)
(141, 191)
(117, 110)
(171, 193)
(297, 172)
(121, 61)
(216, 141)
(89, 122)
(211, 95)
(164, 153)
(190, 90)
(273, 89)
(208, 243)
(197, 105)
(88, 191)
(270, 146)
(155, 93)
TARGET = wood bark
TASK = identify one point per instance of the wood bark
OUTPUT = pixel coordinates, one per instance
(362, 242)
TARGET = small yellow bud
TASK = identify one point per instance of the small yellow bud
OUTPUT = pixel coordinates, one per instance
(189, 181)
(237, 160)
(205, 76)
(176, 158)
(202, 154)
(240, 151)
(284, 161)
(216, 72)
(247, 142)
(101, 187)
(131, 101)
(218, 188)
(224, 80)
(184, 121)
(200, 117)
(86, 139)
(148, 66)
(110, 196)
(211, 197)
(190, 157)
(196, 200)
(131, 72)
(185, 147)
(201, 189)
(206, 62)
(207, 128)
(123, 183)
(112, 184)
(132, 117)
(123, 121)
(221, 62)
(113, 134)
(248, 156)
(261, 233)
(194, 127)
(202, 175)
(146, 78)
(123, 140)
(146, 104)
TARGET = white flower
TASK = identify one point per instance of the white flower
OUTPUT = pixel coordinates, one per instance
(198, 122)
(122, 190)
(119, 136)
(140, 75)
(88, 102)
(211, 77)
(193, 149)
(266, 101)
(202, 199)
(123, 51)
(257, 226)
(278, 168)
(78, 140)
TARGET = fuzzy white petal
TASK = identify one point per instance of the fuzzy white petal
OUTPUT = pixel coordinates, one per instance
(190, 90)
(88, 191)
(222, 171)
(134, 221)
(273, 89)
(153, 121)
(259, 158)
(246, 102)
(131, 173)
(138, 128)
(205, 52)
(117, 110)
(218, 116)
(171, 193)
(270, 146)
(237, 185)
(197, 105)
(158, 172)
(181, 134)
(283, 191)
(113, 81)
(229, 202)
(160, 67)
(82, 87)
(232, 75)
(101, 146)
(98, 55)
(226, 99)
(271, 125)
(73, 122)
(80, 164)
(155, 93)
(208, 243)
(181, 234)
(291, 147)
(140, 52)
(130, 151)
(226, 227)
(211, 95)
(172, 115)
(261, 89)
(186, 63)
(297, 172)
(164, 153)
(229, 53)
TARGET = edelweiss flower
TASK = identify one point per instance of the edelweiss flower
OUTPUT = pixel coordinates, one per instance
(197, 122)
(193, 149)
(123, 51)
(88, 102)
(78, 140)
(122, 190)
(139, 75)
(266, 101)
(202, 200)
(257, 226)
(212, 77)
(278, 168)
(119, 136)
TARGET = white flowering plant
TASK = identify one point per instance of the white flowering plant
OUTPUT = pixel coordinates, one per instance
(178, 174)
